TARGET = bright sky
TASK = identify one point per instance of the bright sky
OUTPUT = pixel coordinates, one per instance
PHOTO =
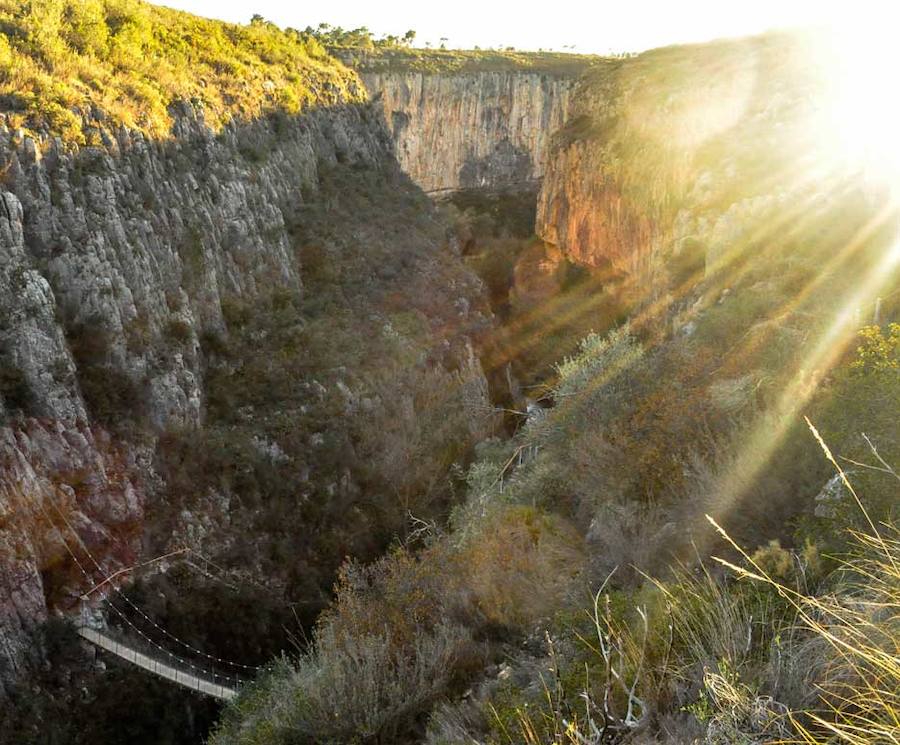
(597, 26)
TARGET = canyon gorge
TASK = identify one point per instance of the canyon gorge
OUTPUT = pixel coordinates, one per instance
(354, 353)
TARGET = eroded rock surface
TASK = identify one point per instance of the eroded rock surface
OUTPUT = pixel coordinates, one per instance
(128, 275)
(672, 161)
(472, 129)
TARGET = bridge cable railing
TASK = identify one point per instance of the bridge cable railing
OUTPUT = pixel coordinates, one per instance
(195, 650)
(210, 673)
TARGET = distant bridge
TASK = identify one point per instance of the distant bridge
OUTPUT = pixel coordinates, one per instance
(155, 666)
(159, 662)
(504, 188)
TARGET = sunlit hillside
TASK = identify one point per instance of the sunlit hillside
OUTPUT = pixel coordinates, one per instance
(704, 189)
(447, 61)
(592, 440)
(73, 68)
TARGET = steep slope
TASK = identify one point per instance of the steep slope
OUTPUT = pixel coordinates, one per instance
(74, 68)
(671, 159)
(247, 336)
(700, 188)
(705, 189)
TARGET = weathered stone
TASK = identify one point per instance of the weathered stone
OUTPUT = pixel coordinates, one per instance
(472, 130)
(115, 262)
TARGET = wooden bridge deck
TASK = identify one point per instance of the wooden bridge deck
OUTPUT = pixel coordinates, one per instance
(188, 680)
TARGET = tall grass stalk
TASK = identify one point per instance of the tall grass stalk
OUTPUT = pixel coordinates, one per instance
(860, 696)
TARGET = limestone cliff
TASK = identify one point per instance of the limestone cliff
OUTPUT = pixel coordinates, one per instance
(141, 285)
(464, 130)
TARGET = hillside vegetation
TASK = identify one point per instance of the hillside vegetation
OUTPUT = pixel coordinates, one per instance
(331, 413)
(573, 596)
(694, 539)
(70, 67)
(435, 61)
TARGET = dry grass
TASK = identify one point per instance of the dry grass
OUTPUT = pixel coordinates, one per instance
(520, 565)
(859, 628)
(346, 690)
(774, 656)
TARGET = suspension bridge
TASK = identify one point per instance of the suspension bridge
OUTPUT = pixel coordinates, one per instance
(157, 667)
(190, 668)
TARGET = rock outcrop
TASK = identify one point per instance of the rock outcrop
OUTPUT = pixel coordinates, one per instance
(670, 161)
(64, 489)
(141, 236)
(472, 129)
(120, 270)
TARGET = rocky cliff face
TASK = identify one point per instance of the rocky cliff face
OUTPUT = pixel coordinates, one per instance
(134, 274)
(472, 129)
(674, 158)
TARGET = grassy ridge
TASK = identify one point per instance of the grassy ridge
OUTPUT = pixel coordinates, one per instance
(123, 62)
(392, 59)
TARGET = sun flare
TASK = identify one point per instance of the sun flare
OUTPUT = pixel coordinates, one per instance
(862, 116)
(356, 385)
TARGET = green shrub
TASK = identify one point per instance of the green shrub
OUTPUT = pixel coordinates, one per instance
(85, 27)
(179, 331)
(600, 361)
(347, 689)
(131, 60)
(858, 421)
(113, 396)
(513, 552)
(878, 352)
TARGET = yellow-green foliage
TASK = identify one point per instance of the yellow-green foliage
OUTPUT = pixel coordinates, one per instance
(518, 550)
(866, 390)
(400, 634)
(877, 351)
(784, 654)
(62, 59)
(856, 630)
(789, 566)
